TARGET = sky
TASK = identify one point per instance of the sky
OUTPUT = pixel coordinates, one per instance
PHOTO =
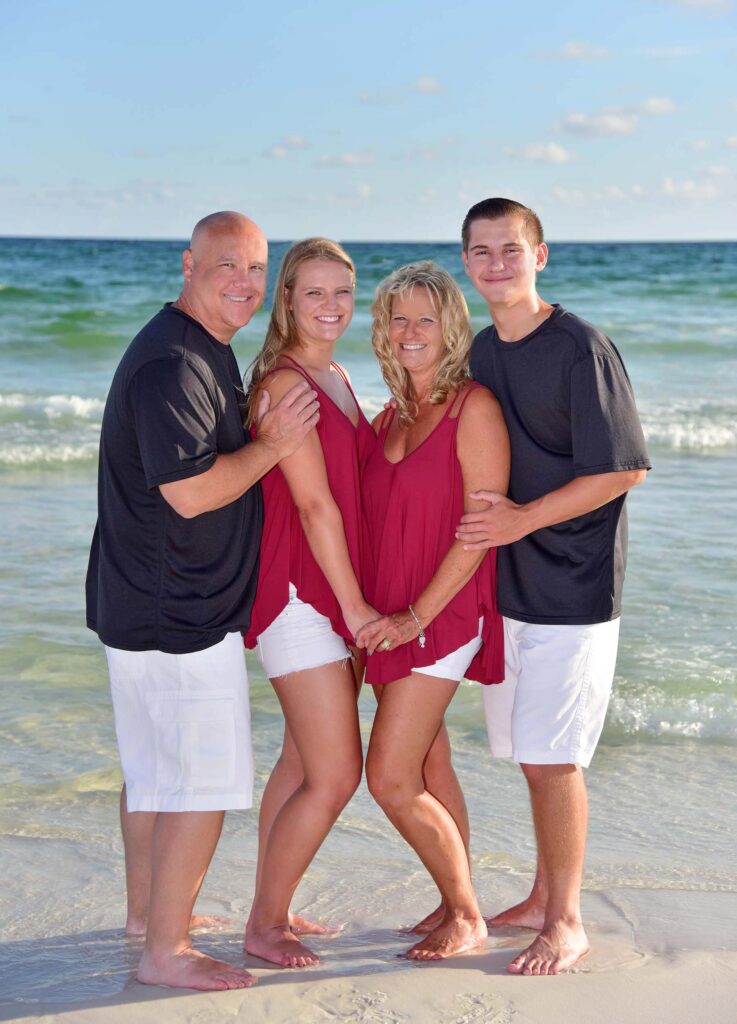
(368, 120)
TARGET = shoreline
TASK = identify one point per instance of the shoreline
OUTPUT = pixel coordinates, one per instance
(676, 966)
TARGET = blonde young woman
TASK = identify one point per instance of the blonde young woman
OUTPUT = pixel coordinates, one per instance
(309, 605)
(445, 438)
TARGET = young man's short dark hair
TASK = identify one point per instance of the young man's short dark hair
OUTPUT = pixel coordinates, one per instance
(495, 209)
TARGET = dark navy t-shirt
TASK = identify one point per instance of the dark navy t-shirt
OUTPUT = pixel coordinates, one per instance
(570, 412)
(157, 581)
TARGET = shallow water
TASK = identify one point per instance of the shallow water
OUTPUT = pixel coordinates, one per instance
(663, 782)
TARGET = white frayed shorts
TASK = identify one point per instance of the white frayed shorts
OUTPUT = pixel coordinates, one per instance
(454, 665)
(550, 709)
(299, 638)
(184, 727)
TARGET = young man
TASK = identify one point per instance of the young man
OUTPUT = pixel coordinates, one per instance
(171, 580)
(577, 448)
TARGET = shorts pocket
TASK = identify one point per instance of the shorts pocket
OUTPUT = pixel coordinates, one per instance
(194, 738)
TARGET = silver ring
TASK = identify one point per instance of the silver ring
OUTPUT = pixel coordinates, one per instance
(385, 644)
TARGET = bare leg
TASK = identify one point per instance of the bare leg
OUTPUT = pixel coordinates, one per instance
(560, 812)
(530, 913)
(138, 839)
(183, 845)
(320, 710)
(407, 721)
(442, 781)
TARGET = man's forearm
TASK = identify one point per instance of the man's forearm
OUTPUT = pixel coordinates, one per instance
(581, 495)
(230, 476)
(504, 522)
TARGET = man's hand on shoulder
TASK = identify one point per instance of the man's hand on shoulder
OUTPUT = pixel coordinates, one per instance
(284, 426)
(503, 522)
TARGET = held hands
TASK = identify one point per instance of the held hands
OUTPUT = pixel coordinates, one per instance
(359, 619)
(398, 629)
(501, 523)
(285, 426)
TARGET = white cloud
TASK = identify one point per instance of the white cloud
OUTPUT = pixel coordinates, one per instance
(698, 145)
(731, 142)
(616, 120)
(575, 50)
(658, 105)
(541, 152)
(281, 150)
(719, 171)
(607, 194)
(427, 86)
(296, 142)
(345, 160)
(363, 190)
(689, 189)
(612, 123)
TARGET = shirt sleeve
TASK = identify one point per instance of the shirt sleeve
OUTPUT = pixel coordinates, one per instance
(606, 432)
(176, 420)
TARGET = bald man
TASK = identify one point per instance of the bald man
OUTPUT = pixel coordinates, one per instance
(171, 579)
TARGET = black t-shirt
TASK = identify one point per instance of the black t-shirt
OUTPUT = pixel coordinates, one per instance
(570, 412)
(157, 581)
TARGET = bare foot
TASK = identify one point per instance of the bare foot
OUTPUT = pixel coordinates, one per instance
(136, 927)
(301, 926)
(452, 936)
(530, 913)
(279, 945)
(427, 924)
(556, 949)
(192, 969)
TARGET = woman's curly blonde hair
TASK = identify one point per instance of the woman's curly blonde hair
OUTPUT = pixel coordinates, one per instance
(450, 305)
(281, 334)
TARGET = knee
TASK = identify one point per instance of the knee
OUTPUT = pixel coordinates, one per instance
(338, 787)
(388, 789)
(539, 776)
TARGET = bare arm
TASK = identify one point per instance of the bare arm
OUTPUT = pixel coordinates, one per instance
(483, 452)
(321, 520)
(282, 429)
(504, 522)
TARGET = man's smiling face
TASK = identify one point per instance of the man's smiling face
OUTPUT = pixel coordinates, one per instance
(225, 276)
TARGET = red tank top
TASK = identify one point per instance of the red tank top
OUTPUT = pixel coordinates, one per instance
(411, 510)
(285, 552)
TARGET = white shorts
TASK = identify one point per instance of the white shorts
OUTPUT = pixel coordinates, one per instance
(550, 709)
(184, 727)
(454, 665)
(299, 638)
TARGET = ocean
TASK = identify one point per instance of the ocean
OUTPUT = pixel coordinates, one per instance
(662, 784)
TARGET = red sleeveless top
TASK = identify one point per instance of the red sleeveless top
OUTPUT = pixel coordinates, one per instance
(411, 510)
(285, 552)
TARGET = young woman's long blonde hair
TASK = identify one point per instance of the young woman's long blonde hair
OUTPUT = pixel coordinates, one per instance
(450, 306)
(281, 334)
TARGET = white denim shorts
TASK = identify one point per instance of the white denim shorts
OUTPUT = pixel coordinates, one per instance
(184, 727)
(550, 709)
(454, 665)
(299, 638)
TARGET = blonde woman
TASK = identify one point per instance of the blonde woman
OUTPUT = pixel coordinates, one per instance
(444, 438)
(309, 605)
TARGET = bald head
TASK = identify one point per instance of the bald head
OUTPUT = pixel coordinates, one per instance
(224, 273)
(224, 222)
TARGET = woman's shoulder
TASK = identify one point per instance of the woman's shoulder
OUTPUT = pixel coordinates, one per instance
(474, 399)
(281, 378)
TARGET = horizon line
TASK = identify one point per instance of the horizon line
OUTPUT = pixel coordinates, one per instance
(373, 241)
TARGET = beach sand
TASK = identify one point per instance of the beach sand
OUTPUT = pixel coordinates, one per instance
(632, 976)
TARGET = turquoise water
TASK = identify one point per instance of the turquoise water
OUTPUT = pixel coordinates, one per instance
(662, 789)
(69, 308)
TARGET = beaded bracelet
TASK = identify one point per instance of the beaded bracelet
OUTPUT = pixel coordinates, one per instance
(421, 639)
